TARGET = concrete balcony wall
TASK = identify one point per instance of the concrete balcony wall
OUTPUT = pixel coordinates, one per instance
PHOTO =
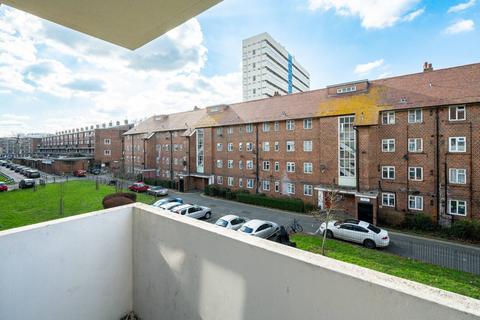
(74, 268)
(164, 266)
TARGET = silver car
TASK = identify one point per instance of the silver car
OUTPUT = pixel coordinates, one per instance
(194, 211)
(260, 228)
(231, 221)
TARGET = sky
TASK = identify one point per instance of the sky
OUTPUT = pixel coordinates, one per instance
(53, 78)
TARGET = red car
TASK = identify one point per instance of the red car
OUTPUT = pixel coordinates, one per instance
(3, 186)
(80, 173)
(138, 187)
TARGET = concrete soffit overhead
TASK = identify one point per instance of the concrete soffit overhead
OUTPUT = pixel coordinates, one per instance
(126, 23)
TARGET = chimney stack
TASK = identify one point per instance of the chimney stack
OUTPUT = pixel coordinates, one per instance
(427, 67)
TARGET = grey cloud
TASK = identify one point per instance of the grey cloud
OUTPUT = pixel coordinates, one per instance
(88, 85)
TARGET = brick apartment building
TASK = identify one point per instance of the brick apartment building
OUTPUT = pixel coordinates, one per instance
(395, 146)
(102, 143)
(20, 146)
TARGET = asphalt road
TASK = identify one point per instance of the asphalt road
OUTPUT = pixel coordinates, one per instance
(447, 254)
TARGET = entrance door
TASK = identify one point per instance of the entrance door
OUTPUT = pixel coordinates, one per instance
(365, 212)
(321, 203)
(181, 185)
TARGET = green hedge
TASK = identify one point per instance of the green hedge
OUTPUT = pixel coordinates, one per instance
(465, 230)
(259, 199)
(419, 222)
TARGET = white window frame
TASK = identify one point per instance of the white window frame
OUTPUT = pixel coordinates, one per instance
(277, 166)
(266, 146)
(230, 164)
(249, 164)
(462, 107)
(388, 199)
(219, 131)
(240, 164)
(266, 127)
(307, 146)
(290, 188)
(455, 148)
(307, 167)
(250, 183)
(266, 165)
(388, 145)
(415, 198)
(450, 211)
(415, 142)
(107, 141)
(308, 190)
(240, 146)
(388, 169)
(290, 146)
(307, 123)
(249, 128)
(276, 126)
(230, 130)
(219, 179)
(249, 146)
(107, 152)
(277, 186)
(415, 171)
(413, 117)
(290, 125)
(219, 146)
(456, 173)
(230, 181)
(230, 147)
(290, 167)
(277, 146)
(266, 185)
(388, 117)
(219, 164)
(240, 182)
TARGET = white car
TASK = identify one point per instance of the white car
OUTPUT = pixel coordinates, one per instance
(193, 211)
(357, 231)
(170, 205)
(260, 228)
(231, 221)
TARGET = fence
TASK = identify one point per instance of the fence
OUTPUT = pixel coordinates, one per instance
(448, 255)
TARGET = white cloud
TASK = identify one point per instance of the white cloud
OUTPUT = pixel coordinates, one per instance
(375, 14)
(460, 26)
(414, 14)
(39, 57)
(368, 67)
(462, 6)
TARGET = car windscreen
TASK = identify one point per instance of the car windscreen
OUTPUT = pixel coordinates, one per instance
(221, 223)
(246, 229)
(374, 229)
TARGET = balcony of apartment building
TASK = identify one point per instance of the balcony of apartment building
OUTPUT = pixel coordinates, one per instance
(102, 265)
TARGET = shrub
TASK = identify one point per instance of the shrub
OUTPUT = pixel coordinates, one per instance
(118, 199)
(465, 230)
(278, 203)
(419, 222)
(158, 182)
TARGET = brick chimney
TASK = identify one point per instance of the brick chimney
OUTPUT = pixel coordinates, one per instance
(427, 67)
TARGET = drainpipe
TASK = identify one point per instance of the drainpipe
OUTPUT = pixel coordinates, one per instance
(471, 170)
(171, 155)
(437, 162)
(257, 151)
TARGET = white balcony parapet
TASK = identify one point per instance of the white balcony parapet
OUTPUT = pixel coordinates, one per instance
(163, 266)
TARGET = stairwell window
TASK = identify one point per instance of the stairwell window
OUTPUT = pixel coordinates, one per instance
(457, 176)
(388, 173)
(457, 144)
(388, 199)
(388, 145)
(457, 113)
(415, 116)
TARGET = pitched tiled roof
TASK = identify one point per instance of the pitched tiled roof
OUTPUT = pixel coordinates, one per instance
(455, 85)
(171, 122)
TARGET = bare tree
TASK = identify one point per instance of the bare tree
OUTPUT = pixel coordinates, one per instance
(332, 204)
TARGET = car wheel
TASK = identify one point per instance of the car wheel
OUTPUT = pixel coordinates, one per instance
(208, 215)
(330, 234)
(369, 244)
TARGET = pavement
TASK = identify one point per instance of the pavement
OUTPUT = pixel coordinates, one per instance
(444, 253)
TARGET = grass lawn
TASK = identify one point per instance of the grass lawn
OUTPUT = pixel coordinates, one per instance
(23, 207)
(451, 280)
